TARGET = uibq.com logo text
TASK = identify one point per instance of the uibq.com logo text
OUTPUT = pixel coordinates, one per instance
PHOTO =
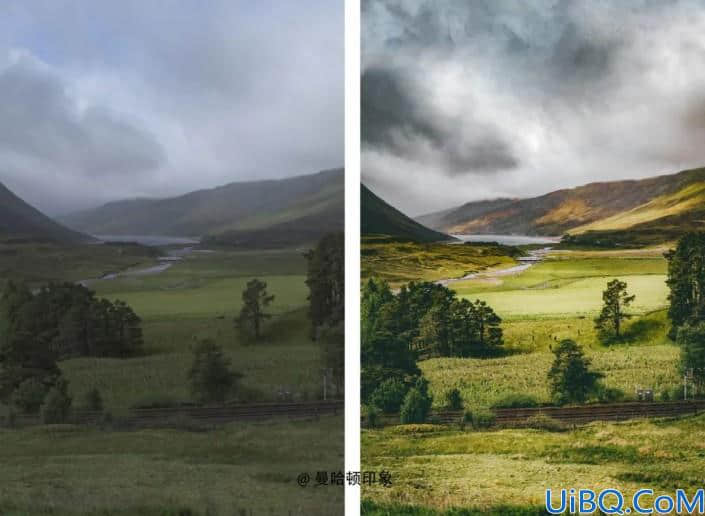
(613, 501)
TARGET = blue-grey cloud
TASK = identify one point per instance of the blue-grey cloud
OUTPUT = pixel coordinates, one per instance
(158, 98)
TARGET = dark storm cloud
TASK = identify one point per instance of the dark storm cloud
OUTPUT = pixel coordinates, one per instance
(39, 120)
(132, 98)
(392, 118)
(490, 98)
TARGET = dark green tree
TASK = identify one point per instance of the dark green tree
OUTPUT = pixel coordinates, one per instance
(57, 404)
(691, 339)
(417, 403)
(570, 376)
(326, 280)
(686, 281)
(487, 323)
(211, 377)
(255, 300)
(615, 300)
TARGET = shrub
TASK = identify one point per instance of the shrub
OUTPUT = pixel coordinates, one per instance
(389, 395)
(29, 395)
(452, 399)
(665, 395)
(57, 403)
(434, 420)
(372, 416)
(570, 376)
(516, 401)
(210, 375)
(609, 394)
(417, 403)
(467, 416)
(93, 400)
(544, 422)
(483, 418)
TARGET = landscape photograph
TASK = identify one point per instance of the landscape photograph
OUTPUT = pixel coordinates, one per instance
(532, 254)
(171, 258)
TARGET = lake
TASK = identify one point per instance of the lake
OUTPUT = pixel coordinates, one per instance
(509, 239)
(149, 240)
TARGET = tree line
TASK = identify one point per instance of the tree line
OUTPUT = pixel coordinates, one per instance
(422, 320)
(57, 322)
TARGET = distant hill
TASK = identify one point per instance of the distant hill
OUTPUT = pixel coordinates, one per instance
(667, 204)
(21, 222)
(379, 218)
(272, 212)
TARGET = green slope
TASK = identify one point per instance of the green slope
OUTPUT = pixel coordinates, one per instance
(380, 219)
(258, 211)
(20, 222)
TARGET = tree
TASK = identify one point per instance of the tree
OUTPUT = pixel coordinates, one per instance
(417, 403)
(691, 339)
(389, 395)
(489, 333)
(326, 283)
(93, 400)
(615, 300)
(570, 376)
(57, 404)
(326, 280)
(686, 281)
(255, 300)
(210, 375)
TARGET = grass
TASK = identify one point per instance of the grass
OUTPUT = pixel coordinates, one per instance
(401, 262)
(440, 468)
(235, 469)
(41, 263)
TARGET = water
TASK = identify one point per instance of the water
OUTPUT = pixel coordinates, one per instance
(149, 240)
(509, 239)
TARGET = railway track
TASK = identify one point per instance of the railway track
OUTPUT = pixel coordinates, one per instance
(577, 414)
(165, 417)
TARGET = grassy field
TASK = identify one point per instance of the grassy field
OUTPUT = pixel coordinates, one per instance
(401, 262)
(232, 470)
(41, 263)
(237, 469)
(441, 468)
(199, 298)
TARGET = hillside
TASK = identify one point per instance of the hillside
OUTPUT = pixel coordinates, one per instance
(668, 203)
(21, 222)
(379, 218)
(294, 210)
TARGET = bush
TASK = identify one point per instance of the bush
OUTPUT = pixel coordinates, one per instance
(29, 395)
(483, 419)
(544, 422)
(516, 401)
(57, 404)
(372, 416)
(389, 395)
(609, 394)
(93, 400)
(417, 403)
(665, 395)
(434, 420)
(210, 375)
(452, 399)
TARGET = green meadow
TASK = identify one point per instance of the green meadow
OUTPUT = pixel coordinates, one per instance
(446, 470)
(243, 468)
(234, 469)
(436, 469)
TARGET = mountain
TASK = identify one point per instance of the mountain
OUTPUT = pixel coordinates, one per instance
(379, 218)
(669, 204)
(295, 210)
(21, 222)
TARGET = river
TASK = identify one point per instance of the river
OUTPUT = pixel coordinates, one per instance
(509, 239)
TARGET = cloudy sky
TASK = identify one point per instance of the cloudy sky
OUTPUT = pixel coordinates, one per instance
(466, 100)
(104, 100)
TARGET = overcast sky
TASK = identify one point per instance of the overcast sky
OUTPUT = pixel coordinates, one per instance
(467, 100)
(103, 100)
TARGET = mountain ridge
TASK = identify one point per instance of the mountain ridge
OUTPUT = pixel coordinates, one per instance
(593, 207)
